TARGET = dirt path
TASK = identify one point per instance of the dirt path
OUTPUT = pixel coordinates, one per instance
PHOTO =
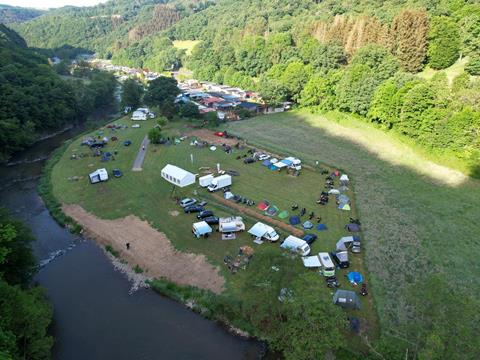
(149, 249)
(138, 163)
(208, 136)
(264, 218)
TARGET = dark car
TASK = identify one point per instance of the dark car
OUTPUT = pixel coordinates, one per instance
(127, 143)
(341, 259)
(193, 209)
(117, 173)
(204, 214)
(211, 220)
(310, 238)
(248, 160)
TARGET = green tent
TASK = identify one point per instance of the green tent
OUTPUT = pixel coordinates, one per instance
(283, 215)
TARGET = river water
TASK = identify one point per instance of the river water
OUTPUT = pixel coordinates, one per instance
(94, 315)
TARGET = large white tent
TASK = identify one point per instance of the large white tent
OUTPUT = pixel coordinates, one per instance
(177, 176)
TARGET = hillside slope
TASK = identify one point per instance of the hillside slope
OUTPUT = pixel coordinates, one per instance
(15, 14)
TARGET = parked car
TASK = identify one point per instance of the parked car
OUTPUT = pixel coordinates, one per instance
(211, 220)
(127, 143)
(193, 209)
(117, 173)
(310, 238)
(264, 157)
(204, 214)
(248, 160)
(187, 202)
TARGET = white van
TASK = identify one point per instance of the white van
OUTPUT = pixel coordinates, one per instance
(264, 231)
(297, 245)
(328, 267)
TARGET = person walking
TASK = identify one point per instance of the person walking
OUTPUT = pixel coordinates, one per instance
(128, 246)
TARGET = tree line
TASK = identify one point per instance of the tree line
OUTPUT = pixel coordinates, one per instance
(35, 100)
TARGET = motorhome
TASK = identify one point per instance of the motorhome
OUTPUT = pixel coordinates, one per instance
(328, 267)
(296, 244)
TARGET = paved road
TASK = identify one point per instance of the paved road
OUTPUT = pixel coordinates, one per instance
(138, 163)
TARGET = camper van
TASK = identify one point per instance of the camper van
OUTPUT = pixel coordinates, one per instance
(328, 267)
(220, 182)
(263, 231)
(98, 175)
(201, 229)
(297, 245)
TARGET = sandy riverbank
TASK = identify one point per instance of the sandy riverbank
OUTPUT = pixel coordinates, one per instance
(150, 249)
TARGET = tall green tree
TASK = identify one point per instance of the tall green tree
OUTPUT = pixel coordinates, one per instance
(132, 93)
(161, 92)
(444, 42)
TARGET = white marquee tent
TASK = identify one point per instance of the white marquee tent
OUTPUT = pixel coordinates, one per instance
(177, 176)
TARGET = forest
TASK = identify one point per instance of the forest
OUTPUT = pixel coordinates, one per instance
(36, 100)
(25, 315)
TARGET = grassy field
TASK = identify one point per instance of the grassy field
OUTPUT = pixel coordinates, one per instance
(418, 218)
(188, 45)
(453, 71)
(148, 196)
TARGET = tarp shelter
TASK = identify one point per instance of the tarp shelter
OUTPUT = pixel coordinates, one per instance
(344, 242)
(311, 261)
(346, 299)
(264, 205)
(283, 215)
(287, 162)
(177, 176)
(228, 195)
(266, 163)
(294, 220)
(334, 192)
(280, 164)
(352, 227)
(321, 227)
(355, 277)
(344, 206)
(307, 225)
(272, 210)
(98, 176)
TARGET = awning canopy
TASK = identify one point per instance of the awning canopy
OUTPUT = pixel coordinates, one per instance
(311, 261)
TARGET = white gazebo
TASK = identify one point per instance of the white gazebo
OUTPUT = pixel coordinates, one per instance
(177, 176)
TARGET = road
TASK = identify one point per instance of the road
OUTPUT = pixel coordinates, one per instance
(138, 163)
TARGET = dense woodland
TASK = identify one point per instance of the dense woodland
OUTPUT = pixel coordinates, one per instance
(25, 316)
(15, 14)
(36, 100)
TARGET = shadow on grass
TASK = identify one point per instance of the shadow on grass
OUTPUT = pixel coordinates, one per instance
(418, 218)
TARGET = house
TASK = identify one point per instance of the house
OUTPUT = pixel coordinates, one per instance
(139, 115)
(211, 101)
(177, 176)
(98, 175)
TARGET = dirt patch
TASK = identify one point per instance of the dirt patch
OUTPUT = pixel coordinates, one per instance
(264, 218)
(207, 135)
(174, 213)
(149, 249)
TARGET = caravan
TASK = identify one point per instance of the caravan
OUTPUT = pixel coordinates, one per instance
(98, 175)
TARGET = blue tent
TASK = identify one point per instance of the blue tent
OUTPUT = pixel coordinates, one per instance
(272, 167)
(307, 225)
(355, 277)
(266, 163)
(321, 227)
(294, 220)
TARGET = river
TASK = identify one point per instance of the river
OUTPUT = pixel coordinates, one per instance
(94, 315)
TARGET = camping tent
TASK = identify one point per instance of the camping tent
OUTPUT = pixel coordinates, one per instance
(352, 227)
(343, 199)
(321, 227)
(284, 214)
(344, 179)
(280, 164)
(307, 225)
(346, 299)
(355, 277)
(264, 205)
(266, 163)
(294, 220)
(334, 192)
(272, 210)
(177, 176)
(344, 206)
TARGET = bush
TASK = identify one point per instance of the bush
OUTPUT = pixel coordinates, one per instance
(473, 66)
